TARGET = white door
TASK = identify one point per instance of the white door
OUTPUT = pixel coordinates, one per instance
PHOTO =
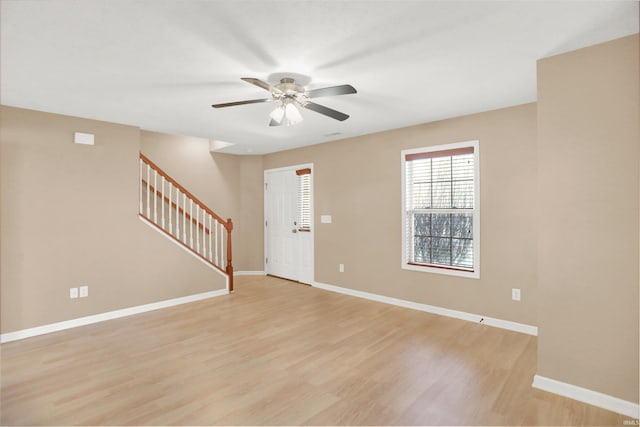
(288, 244)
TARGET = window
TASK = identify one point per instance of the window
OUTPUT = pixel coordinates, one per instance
(441, 218)
(304, 199)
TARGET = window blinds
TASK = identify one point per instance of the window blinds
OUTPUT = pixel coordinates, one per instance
(304, 198)
(440, 208)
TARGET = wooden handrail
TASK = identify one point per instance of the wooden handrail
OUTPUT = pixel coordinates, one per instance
(184, 190)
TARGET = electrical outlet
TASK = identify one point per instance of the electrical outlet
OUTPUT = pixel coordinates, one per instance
(84, 291)
(515, 294)
(341, 268)
(73, 292)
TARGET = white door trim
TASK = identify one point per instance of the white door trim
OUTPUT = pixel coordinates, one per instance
(312, 219)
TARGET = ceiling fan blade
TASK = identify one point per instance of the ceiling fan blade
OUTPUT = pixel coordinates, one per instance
(233, 104)
(334, 114)
(330, 91)
(262, 84)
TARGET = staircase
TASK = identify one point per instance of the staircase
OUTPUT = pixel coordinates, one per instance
(180, 216)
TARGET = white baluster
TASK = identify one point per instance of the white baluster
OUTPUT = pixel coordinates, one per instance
(140, 185)
(210, 233)
(216, 242)
(184, 218)
(178, 213)
(222, 234)
(198, 228)
(155, 196)
(162, 201)
(191, 223)
(148, 192)
(204, 233)
(170, 208)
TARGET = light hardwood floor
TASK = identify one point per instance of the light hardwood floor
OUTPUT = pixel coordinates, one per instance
(278, 352)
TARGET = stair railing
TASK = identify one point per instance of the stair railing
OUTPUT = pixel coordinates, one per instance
(178, 214)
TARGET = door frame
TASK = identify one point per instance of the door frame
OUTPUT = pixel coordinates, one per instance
(312, 207)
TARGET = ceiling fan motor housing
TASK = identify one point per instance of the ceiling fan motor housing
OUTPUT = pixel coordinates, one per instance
(289, 86)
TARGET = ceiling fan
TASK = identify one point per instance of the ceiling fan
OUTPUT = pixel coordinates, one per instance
(289, 95)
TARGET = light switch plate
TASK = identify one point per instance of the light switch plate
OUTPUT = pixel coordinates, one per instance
(325, 219)
(515, 294)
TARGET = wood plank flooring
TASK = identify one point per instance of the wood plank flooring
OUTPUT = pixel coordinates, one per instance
(281, 353)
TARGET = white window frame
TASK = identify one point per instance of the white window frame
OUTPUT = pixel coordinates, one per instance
(475, 274)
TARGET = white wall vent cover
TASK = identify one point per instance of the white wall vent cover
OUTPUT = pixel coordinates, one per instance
(83, 138)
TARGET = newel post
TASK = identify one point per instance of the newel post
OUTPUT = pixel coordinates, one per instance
(229, 227)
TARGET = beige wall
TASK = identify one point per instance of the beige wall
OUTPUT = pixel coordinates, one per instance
(357, 181)
(69, 218)
(250, 247)
(588, 208)
(213, 178)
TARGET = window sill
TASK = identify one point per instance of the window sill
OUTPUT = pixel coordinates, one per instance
(442, 270)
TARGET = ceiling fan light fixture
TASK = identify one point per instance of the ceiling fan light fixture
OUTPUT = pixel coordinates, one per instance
(292, 115)
(278, 114)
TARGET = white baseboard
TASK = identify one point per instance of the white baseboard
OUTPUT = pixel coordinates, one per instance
(498, 323)
(249, 273)
(81, 321)
(584, 395)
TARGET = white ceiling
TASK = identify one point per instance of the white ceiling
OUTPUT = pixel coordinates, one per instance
(160, 64)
